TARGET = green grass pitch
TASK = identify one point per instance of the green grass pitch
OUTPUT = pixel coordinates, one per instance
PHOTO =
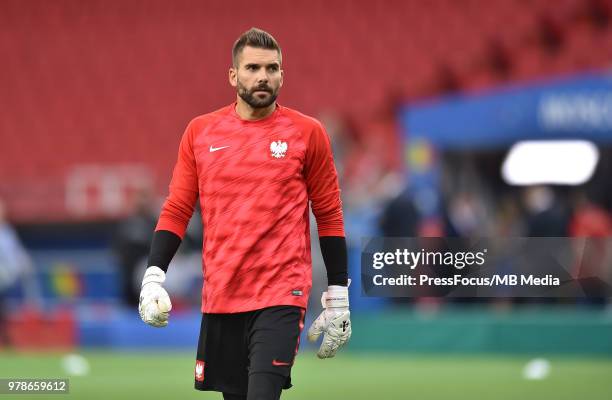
(159, 375)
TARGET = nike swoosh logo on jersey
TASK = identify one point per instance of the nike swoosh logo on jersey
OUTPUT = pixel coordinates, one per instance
(212, 149)
(279, 363)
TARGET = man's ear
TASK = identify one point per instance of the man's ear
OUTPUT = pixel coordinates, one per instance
(282, 77)
(233, 77)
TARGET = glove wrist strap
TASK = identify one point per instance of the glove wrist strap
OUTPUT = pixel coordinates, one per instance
(153, 275)
(335, 297)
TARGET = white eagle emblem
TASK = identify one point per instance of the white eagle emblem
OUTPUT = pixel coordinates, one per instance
(278, 149)
(199, 371)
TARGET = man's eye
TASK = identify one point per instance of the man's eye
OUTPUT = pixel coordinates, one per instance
(251, 67)
(273, 68)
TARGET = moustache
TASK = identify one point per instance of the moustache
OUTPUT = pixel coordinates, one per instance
(264, 88)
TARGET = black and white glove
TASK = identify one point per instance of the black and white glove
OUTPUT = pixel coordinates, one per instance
(334, 322)
(154, 306)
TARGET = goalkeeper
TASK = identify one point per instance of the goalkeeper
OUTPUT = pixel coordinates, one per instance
(254, 166)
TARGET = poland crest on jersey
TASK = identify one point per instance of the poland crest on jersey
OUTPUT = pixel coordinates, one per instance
(278, 149)
(199, 371)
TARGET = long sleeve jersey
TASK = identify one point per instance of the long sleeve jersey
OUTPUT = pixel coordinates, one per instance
(254, 181)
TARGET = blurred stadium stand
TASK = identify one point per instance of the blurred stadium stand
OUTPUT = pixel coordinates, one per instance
(95, 94)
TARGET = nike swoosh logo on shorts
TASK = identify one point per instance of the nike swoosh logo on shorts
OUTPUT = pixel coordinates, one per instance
(279, 363)
(212, 149)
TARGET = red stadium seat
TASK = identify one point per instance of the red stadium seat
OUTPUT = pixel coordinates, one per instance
(110, 83)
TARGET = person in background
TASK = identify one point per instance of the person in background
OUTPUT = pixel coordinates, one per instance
(546, 215)
(593, 256)
(15, 266)
(132, 242)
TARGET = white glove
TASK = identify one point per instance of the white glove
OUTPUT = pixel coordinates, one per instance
(334, 321)
(154, 306)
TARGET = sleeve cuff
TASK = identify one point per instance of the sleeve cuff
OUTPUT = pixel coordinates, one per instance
(163, 225)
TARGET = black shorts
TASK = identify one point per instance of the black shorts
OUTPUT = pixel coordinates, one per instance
(233, 346)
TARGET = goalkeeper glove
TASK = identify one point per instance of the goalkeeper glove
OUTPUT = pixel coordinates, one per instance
(334, 322)
(154, 305)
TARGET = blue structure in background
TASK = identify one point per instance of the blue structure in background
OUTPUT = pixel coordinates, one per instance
(123, 329)
(578, 107)
(569, 108)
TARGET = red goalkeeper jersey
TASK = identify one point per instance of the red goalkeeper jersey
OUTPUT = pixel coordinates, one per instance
(254, 180)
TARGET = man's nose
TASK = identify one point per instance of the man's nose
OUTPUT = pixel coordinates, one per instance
(262, 76)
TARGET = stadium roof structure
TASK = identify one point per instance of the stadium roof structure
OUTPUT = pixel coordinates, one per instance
(575, 107)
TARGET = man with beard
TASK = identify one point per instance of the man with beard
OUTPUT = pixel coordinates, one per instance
(254, 165)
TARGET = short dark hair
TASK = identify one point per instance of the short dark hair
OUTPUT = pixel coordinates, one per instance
(257, 38)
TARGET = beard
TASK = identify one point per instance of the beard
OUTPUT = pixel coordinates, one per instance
(255, 101)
